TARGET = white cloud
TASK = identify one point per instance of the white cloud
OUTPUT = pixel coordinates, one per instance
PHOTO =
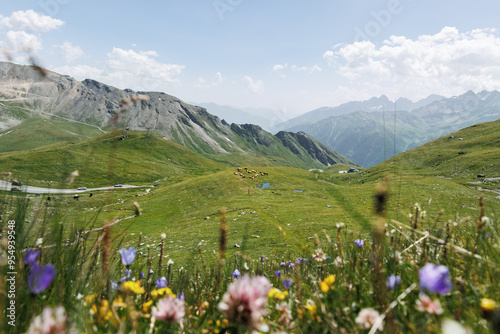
(30, 21)
(278, 68)
(20, 41)
(447, 63)
(309, 70)
(252, 85)
(216, 81)
(80, 72)
(70, 53)
(133, 66)
(129, 69)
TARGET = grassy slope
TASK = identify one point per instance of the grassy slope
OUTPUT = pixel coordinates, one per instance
(37, 132)
(107, 160)
(179, 208)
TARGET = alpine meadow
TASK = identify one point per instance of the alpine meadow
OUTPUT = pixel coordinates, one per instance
(129, 210)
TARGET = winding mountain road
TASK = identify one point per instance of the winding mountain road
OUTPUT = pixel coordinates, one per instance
(4, 185)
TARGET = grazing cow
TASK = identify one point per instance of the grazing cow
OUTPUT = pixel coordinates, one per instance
(76, 197)
(235, 173)
(243, 176)
(239, 169)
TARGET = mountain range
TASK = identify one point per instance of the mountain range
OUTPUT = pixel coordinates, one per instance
(25, 95)
(371, 131)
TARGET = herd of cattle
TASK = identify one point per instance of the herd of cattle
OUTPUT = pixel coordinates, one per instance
(253, 173)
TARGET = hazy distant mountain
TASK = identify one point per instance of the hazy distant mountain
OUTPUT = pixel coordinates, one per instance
(24, 94)
(266, 118)
(359, 134)
(372, 105)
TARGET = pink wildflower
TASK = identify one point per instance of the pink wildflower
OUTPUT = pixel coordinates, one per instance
(319, 255)
(425, 304)
(286, 314)
(51, 321)
(245, 301)
(169, 309)
(367, 318)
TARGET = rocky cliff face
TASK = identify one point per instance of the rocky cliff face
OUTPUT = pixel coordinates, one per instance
(95, 103)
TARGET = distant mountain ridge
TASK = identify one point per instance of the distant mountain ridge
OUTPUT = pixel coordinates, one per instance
(368, 132)
(95, 103)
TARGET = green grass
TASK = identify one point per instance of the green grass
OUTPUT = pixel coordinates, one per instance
(107, 160)
(37, 132)
(278, 223)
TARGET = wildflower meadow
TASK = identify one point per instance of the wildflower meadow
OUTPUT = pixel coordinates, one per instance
(415, 277)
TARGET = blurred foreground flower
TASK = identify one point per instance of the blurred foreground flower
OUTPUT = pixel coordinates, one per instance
(367, 318)
(51, 321)
(161, 282)
(31, 256)
(319, 255)
(245, 302)
(236, 273)
(127, 255)
(359, 242)
(40, 277)
(435, 278)
(169, 309)
(425, 304)
(134, 287)
(287, 282)
(393, 281)
(327, 283)
(277, 294)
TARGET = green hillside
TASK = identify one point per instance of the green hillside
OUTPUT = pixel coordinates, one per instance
(301, 203)
(37, 132)
(106, 160)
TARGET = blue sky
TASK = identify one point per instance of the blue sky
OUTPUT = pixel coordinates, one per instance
(292, 56)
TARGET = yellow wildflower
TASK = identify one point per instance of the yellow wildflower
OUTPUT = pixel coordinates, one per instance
(163, 292)
(146, 307)
(327, 283)
(487, 304)
(104, 311)
(90, 299)
(131, 286)
(311, 307)
(277, 294)
(118, 303)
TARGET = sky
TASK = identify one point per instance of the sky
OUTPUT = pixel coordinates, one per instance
(287, 55)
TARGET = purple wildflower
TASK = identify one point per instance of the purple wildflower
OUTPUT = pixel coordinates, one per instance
(359, 242)
(161, 283)
(141, 276)
(282, 264)
(287, 282)
(236, 273)
(128, 272)
(151, 272)
(128, 255)
(262, 259)
(181, 296)
(31, 256)
(435, 278)
(393, 281)
(278, 273)
(40, 277)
